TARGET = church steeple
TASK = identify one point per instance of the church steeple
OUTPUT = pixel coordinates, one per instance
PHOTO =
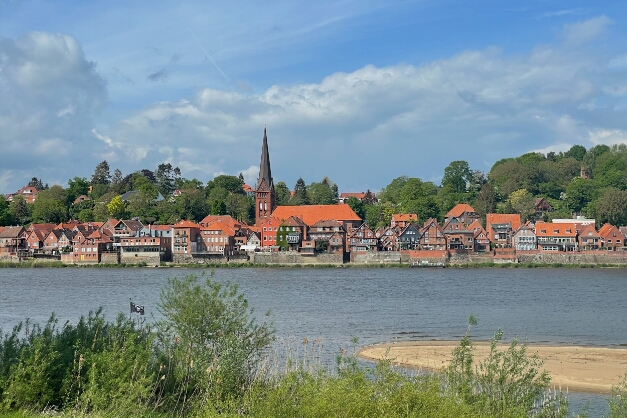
(265, 173)
(265, 201)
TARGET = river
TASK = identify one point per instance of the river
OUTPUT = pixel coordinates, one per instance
(549, 306)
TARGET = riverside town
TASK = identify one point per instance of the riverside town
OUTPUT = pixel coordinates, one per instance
(530, 209)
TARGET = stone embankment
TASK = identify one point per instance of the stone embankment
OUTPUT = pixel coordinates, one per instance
(280, 258)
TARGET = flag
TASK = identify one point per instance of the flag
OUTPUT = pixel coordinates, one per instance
(137, 309)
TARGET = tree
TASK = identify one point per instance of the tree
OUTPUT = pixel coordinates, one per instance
(210, 327)
(300, 194)
(238, 206)
(486, 201)
(230, 183)
(77, 186)
(36, 183)
(579, 193)
(282, 193)
(117, 177)
(218, 207)
(165, 178)
(241, 178)
(577, 152)
(5, 215)
(20, 210)
(611, 207)
(101, 174)
(457, 176)
(321, 193)
(369, 198)
(116, 208)
(357, 206)
(523, 203)
(50, 205)
(392, 192)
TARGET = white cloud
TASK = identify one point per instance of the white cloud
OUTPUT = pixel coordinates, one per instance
(582, 32)
(608, 137)
(50, 93)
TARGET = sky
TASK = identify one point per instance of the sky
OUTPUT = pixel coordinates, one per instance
(359, 91)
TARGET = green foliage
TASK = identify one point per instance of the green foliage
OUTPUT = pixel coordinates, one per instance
(300, 197)
(50, 206)
(457, 176)
(523, 203)
(231, 184)
(507, 383)
(618, 400)
(321, 193)
(101, 174)
(215, 342)
(19, 210)
(282, 194)
(116, 208)
(357, 206)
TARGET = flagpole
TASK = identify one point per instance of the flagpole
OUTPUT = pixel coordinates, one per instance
(130, 315)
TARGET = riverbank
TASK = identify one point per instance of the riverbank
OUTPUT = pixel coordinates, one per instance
(572, 368)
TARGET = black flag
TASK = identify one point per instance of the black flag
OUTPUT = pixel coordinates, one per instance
(137, 309)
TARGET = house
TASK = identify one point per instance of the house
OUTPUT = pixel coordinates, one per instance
(388, 238)
(35, 235)
(542, 207)
(292, 232)
(589, 238)
(310, 214)
(80, 199)
(185, 237)
(501, 227)
(28, 192)
(362, 239)
(322, 231)
(217, 238)
(611, 237)
(458, 237)
(12, 240)
(252, 242)
(127, 228)
(58, 240)
(432, 236)
(248, 190)
(343, 198)
(556, 236)
(402, 220)
(409, 238)
(91, 247)
(337, 243)
(268, 230)
(482, 242)
(524, 238)
(464, 212)
(151, 244)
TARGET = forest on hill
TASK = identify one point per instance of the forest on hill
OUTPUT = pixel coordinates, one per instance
(589, 182)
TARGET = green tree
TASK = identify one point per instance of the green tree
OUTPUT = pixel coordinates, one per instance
(301, 196)
(116, 208)
(611, 207)
(232, 184)
(282, 193)
(392, 192)
(457, 176)
(523, 203)
(321, 193)
(37, 184)
(165, 177)
(238, 206)
(77, 186)
(48, 210)
(101, 174)
(218, 207)
(357, 206)
(578, 152)
(579, 193)
(5, 215)
(486, 201)
(212, 332)
(20, 210)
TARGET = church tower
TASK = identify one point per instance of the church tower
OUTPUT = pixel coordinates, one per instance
(265, 201)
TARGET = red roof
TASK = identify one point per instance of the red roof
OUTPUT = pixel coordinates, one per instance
(185, 224)
(227, 219)
(359, 196)
(503, 218)
(310, 214)
(607, 229)
(546, 229)
(247, 188)
(459, 210)
(404, 217)
(219, 226)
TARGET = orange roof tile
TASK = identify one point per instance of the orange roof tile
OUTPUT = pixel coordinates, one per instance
(546, 229)
(185, 224)
(227, 219)
(359, 195)
(459, 210)
(503, 218)
(219, 226)
(310, 214)
(404, 217)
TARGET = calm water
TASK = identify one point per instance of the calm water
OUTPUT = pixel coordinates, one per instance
(563, 306)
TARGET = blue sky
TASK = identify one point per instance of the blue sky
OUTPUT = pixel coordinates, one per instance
(359, 91)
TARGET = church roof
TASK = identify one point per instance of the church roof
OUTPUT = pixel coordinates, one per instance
(265, 174)
(310, 214)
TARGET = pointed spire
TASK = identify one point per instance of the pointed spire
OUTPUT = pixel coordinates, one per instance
(265, 174)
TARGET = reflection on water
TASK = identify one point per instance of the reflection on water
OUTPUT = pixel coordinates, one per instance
(549, 306)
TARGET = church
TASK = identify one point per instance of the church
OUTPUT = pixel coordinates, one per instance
(269, 217)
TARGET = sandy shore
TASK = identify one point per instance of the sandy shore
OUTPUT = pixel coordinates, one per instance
(573, 368)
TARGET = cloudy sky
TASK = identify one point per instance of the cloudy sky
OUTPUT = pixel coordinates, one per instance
(359, 91)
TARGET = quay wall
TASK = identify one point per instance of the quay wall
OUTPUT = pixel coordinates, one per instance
(377, 257)
(287, 257)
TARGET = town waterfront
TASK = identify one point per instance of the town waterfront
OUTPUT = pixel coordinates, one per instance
(548, 306)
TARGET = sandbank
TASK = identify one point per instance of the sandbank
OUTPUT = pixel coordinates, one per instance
(572, 368)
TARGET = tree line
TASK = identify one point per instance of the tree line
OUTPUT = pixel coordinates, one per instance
(590, 182)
